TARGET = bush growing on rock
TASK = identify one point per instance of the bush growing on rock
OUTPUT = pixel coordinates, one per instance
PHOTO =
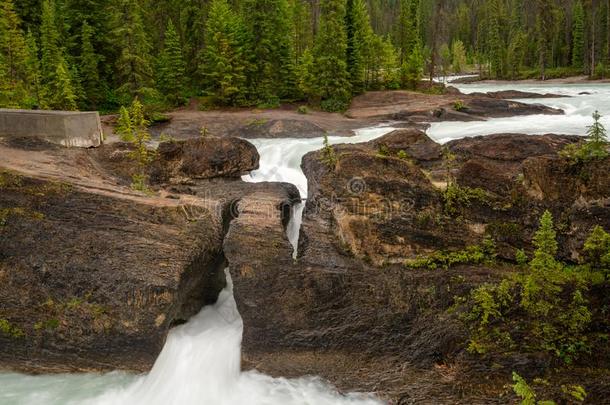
(328, 156)
(132, 128)
(595, 147)
(542, 309)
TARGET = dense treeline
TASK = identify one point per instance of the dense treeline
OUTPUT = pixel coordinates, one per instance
(85, 54)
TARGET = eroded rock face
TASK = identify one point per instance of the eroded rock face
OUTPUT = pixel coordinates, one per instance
(386, 209)
(94, 281)
(203, 158)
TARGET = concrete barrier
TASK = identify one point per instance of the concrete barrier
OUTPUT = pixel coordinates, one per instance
(67, 128)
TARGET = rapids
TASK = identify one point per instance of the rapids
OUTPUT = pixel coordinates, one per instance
(200, 363)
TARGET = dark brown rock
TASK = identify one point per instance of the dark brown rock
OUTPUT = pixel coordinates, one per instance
(203, 158)
(415, 143)
(95, 280)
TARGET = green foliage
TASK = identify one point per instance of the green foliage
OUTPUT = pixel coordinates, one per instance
(330, 65)
(303, 110)
(402, 155)
(457, 197)
(89, 62)
(132, 128)
(476, 254)
(521, 257)
(59, 93)
(328, 155)
(459, 105)
(10, 330)
(578, 35)
(543, 309)
(595, 147)
(596, 250)
(412, 70)
(133, 65)
(458, 55)
(223, 65)
(171, 67)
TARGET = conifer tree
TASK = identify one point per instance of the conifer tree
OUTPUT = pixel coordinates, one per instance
(359, 42)
(7, 91)
(412, 71)
(13, 47)
(32, 69)
(330, 67)
(496, 46)
(171, 67)
(61, 94)
(272, 71)
(133, 65)
(88, 64)
(49, 41)
(306, 76)
(578, 35)
(224, 67)
(458, 55)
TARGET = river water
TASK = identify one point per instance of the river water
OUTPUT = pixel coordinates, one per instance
(200, 363)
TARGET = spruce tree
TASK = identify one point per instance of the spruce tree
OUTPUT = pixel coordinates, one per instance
(88, 67)
(412, 71)
(272, 71)
(578, 35)
(61, 95)
(32, 69)
(12, 43)
(330, 67)
(171, 67)
(306, 76)
(458, 55)
(496, 45)
(360, 39)
(7, 90)
(224, 67)
(49, 41)
(133, 65)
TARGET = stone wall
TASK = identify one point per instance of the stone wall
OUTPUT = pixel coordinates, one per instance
(67, 128)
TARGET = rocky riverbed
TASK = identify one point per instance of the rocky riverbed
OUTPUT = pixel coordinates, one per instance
(94, 274)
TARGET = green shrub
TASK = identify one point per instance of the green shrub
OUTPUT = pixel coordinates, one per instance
(303, 110)
(457, 197)
(334, 105)
(459, 105)
(597, 250)
(594, 148)
(544, 307)
(402, 155)
(328, 155)
(383, 151)
(476, 254)
(10, 330)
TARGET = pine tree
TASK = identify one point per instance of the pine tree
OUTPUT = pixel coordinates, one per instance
(49, 41)
(60, 90)
(272, 71)
(516, 53)
(134, 62)
(496, 47)
(13, 47)
(7, 91)
(409, 28)
(360, 38)
(306, 76)
(171, 67)
(412, 70)
(332, 78)
(12, 42)
(578, 35)
(597, 139)
(224, 67)
(88, 64)
(458, 53)
(32, 69)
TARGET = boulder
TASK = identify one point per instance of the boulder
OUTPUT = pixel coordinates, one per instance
(203, 158)
(415, 143)
(279, 128)
(93, 280)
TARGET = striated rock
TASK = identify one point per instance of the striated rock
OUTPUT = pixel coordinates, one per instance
(415, 143)
(516, 94)
(279, 128)
(203, 158)
(94, 281)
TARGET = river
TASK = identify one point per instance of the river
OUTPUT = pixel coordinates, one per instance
(200, 363)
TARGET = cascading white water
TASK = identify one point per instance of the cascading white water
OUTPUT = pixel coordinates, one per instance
(280, 161)
(199, 364)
